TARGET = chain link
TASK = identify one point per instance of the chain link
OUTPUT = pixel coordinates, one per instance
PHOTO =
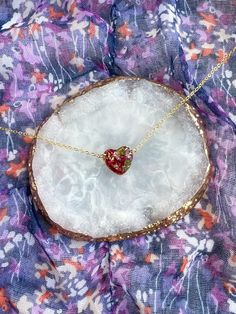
(148, 135)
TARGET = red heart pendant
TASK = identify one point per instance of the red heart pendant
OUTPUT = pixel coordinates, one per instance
(118, 160)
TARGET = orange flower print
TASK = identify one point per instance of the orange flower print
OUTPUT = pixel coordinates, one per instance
(92, 30)
(75, 264)
(16, 169)
(207, 49)
(208, 218)
(43, 295)
(34, 27)
(42, 270)
(220, 55)
(192, 53)
(232, 259)
(4, 301)
(209, 21)
(38, 76)
(117, 254)
(54, 14)
(229, 288)
(151, 258)
(3, 213)
(184, 264)
(4, 108)
(124, 31)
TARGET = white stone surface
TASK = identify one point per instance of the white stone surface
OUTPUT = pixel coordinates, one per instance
(82, 195)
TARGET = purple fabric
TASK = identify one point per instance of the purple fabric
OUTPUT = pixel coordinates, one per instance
(50, 49)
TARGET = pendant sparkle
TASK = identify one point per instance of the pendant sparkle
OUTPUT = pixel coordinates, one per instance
(118, 160)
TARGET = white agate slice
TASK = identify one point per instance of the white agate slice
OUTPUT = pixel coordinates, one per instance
(82, 195)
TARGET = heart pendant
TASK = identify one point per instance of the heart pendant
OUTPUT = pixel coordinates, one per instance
(118, 160)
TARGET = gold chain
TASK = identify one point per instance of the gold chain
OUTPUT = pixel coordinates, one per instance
(173, 110)
(148, 135)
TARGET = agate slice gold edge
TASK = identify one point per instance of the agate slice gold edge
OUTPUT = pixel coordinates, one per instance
(151, 228)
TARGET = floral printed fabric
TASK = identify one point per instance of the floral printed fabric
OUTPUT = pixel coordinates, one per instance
(52, 48)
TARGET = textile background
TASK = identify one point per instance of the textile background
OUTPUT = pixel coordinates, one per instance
(52, 48)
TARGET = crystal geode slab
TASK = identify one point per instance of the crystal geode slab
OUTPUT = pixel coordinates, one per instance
(83, 198)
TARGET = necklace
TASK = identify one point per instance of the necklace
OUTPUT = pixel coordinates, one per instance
(119, 160)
